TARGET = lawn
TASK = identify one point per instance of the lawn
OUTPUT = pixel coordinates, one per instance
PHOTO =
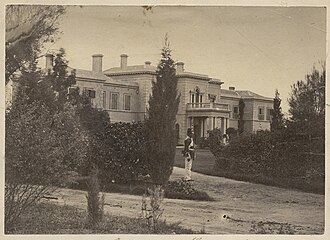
(204, 162)
(47, 218)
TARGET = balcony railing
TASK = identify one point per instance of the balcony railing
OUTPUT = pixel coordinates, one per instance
(218, 106)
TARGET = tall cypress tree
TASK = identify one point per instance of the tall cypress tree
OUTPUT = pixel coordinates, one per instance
(163, 107)
(277, 116)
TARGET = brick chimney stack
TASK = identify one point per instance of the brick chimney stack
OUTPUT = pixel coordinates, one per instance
(179, 67)
(97, 63)
(123, 61)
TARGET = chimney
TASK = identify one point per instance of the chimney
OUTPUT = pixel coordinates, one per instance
(147, 64)
(232, 88)
(123, 61)
(179, 67)
(97, 63)
(49, 61)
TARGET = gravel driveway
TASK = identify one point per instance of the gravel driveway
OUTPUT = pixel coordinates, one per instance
(239, 207)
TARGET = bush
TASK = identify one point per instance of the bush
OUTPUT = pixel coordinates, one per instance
(184, 190)
(125, 162)
(215, 138)
(280, 158)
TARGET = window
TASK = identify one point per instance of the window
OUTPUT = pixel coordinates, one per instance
(89, 92)
(261, 113)
(104, 99)
(114, 101)
(235, 112)
(127, 102)
(269, 113)
(192, 98)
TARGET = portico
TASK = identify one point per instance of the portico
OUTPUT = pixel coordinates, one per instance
(203, 117)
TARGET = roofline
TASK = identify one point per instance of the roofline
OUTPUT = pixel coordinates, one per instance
(191, 75)
(151, 72)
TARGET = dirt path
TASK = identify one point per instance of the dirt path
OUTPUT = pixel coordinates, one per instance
(244, 204)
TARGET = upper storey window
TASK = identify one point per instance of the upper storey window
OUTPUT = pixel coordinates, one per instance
(261, 113)
(127, 102)
(196, 97)
(89, 92)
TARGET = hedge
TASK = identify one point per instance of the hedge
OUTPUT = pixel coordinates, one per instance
(278, 158)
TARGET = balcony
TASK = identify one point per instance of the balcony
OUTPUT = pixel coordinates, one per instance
(208, 107)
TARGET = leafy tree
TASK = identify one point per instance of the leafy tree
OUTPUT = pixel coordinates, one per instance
(44, 142)
(163, 107)
(307, 103)
(277, 115)
(28, 27)
(241, 106)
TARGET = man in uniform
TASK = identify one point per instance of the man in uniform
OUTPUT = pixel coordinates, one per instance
(188, 153)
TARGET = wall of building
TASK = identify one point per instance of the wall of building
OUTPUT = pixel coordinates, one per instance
(95, 85)
(119, 115)
(144, 82)
(261, 124)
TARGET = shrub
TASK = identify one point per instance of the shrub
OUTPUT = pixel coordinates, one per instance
(282, 157)
(181, 189)
(125, 162)
(215, 138)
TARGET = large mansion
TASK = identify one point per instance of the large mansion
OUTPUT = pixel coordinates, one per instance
(124, 93)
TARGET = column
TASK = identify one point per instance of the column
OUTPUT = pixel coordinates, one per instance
(222, 125)
(211, 123)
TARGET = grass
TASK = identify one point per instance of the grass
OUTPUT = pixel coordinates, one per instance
(204, 162)
(47, 218)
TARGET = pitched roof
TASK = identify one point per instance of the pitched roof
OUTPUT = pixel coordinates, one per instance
(130, 69)
(148, 69)
(249, 94)
(86, 74)
(229, 93)
(81, 73)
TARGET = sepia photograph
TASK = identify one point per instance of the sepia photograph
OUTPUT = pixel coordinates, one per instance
(164, 120)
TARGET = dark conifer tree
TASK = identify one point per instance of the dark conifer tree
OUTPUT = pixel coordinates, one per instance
(163, 107)
(277, 115)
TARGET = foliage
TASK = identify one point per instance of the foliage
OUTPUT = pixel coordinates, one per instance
(307, 104)
(215, 138)
(241, 106)
(151, 206)
(43, 141)
(127, 159)
(232, 133)
(277, 115)
(203, 142)
(284, 157)
(55, 219)
(163, 107)
(184, 190)
(27, 29)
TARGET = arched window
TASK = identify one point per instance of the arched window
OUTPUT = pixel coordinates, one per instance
(196, 97)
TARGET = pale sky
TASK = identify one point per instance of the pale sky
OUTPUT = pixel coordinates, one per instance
(251, 48)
